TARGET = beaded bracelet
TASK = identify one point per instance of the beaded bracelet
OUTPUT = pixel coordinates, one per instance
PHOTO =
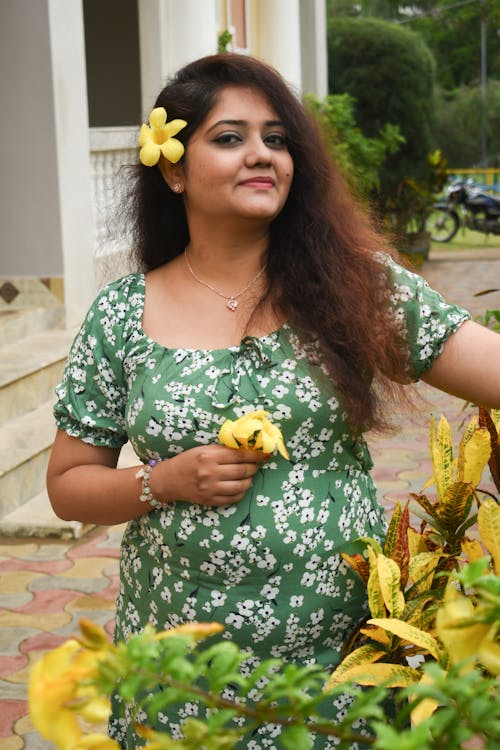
(146, 495)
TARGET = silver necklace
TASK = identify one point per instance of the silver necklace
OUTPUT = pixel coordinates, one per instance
(232, 301)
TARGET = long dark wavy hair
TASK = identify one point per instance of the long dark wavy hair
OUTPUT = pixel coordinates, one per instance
(324, 274)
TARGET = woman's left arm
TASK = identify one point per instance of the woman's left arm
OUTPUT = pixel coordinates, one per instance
(469, 366)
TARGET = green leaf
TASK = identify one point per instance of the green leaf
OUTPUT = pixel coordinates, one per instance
(296, 737)
(455, 505)
(389, 738)
(391, 536)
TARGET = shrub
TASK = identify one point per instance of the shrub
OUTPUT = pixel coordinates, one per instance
(360, 157)
(390, 72)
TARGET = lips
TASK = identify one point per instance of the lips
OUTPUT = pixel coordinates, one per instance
(258, 182)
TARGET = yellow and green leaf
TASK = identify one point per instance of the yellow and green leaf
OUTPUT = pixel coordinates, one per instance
(362, 656)
(391, 675)
(472, 550)
(416, 542)
(378, 635)
(421, 568)
(392, 531)
(455, 505)
(409, 633)
(489, 655)
(358, 564)
(373, 590)
(488, 520)
(476, 452)
(389, 577)
(490, 419)
(427, 706)
(442, 455)
(456, 628)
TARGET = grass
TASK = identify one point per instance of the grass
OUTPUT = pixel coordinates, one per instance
(468, 239)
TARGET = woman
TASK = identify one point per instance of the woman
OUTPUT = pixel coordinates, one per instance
(265, 287)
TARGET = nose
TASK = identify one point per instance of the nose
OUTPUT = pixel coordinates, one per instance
(257, 153)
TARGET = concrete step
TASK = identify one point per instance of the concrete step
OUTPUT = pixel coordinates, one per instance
(16, 324)
(30, 369)
(25, 444)
(35, 518)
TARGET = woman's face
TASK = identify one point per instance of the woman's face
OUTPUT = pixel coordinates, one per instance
(237, 163)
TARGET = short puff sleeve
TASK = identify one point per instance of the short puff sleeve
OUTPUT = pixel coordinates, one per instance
(426, 318)
(91, 397)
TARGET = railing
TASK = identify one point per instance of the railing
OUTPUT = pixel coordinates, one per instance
(110, 149)
(487, 179)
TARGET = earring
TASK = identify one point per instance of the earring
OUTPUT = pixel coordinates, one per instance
(177, 187)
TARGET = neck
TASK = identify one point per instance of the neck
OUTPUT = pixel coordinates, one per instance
(227, 256)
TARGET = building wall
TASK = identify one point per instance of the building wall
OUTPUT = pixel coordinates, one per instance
(112, 62)
(29, 194)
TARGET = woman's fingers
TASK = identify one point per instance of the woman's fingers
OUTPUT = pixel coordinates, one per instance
(211, 475)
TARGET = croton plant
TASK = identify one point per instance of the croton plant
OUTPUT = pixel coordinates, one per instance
(432, 642)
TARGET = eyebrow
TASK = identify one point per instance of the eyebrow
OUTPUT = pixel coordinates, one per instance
(243, 123)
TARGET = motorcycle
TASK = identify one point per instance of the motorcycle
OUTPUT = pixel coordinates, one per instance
(465, 205)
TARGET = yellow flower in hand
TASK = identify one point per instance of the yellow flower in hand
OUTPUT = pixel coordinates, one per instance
(158, 139)
(253, 431)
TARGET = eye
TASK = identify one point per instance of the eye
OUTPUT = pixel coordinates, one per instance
(228, 139)
(276, 140)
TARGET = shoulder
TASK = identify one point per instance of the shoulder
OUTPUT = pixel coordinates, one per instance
(397, 272)
(124, 289)
(116, 311)
(121, 298)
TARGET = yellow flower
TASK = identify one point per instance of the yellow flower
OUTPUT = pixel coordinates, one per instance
(59, 690)
(97, 741)
(253, 431)
(51, 687)
(158, 139)
(195, 629)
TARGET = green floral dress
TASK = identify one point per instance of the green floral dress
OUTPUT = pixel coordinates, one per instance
(269, 567)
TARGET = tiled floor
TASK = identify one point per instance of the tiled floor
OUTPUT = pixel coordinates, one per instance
(46, 586)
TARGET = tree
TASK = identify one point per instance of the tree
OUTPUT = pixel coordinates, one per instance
(451, 29)
(389, 71)
(458, 127)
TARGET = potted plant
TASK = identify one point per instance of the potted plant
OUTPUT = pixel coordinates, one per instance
(405, 208)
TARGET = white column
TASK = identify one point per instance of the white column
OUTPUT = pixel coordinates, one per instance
(314, 47)
(173, 33)
(276, 38)
(71, 127)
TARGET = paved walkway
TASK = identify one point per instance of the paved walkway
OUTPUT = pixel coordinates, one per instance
(46, 586)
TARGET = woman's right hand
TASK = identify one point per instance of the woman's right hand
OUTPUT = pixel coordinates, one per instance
(211, 475)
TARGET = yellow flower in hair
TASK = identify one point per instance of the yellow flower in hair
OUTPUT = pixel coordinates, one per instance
(253, 431)
(159, 139)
